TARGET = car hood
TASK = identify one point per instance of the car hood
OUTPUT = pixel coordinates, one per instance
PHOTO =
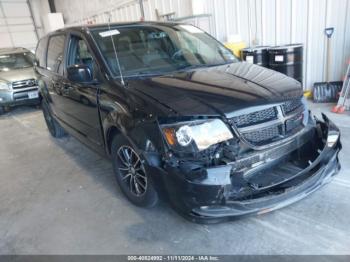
(218, 90)
(17, 74)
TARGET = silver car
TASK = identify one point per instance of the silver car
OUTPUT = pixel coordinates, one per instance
(18, 85)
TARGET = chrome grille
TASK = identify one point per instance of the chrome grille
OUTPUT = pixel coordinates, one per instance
(24, 84)
(295, 123)
(271, 124)
(291, 105)
(259, 137)
(255, 117)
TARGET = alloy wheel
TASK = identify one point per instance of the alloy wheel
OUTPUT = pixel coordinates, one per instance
(132, 170)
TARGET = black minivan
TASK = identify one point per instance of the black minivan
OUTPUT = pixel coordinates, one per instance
(180, 117)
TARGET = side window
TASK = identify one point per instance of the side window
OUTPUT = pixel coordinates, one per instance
(55, 52)
(40, 53)
(79, 53)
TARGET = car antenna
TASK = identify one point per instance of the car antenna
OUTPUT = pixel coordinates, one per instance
(115, 51)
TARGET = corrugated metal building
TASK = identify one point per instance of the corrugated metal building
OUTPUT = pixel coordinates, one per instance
(263, 22)
(17, 27)
(277, 22)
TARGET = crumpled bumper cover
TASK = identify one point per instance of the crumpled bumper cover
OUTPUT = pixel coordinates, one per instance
(198, 201)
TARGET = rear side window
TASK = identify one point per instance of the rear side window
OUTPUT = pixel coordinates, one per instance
(40, 53)
(55, 52)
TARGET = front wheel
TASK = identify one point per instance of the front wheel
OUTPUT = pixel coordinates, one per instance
(54, 127)
(2, 110)
(131, 175)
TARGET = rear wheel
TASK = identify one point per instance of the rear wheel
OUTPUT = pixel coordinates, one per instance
(2, 110)
(54, 127)
(131, 175)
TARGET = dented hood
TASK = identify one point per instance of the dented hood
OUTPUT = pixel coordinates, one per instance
(216, 90)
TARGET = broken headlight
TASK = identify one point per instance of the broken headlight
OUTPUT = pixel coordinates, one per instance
(195, 135)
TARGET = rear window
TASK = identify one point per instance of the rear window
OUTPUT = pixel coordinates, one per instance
(55, 52)
(40, 53)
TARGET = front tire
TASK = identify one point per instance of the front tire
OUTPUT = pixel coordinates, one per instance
(54, 127)
(131, 175)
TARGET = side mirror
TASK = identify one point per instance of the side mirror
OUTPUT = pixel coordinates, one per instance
(79, 74)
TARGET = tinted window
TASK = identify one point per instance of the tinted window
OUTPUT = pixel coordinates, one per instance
(55, 53)
(40, 53)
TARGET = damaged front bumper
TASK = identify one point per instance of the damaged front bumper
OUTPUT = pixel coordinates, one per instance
(283, 175)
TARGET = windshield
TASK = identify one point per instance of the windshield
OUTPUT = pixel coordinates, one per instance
(16, 61)
(158, 49)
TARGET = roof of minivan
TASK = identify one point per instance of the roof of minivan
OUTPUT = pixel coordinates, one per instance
(12, 50)
(88, 27)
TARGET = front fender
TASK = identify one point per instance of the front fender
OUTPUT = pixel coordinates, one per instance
(44, 91)
(142, 133)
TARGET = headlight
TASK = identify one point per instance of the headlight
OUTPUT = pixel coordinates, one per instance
(196, 135)
(4, 85)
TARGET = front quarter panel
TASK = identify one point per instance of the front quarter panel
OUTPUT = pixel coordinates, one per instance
(120, 115)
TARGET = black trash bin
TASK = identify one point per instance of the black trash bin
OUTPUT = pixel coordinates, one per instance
(256, 55)
(287, 59)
